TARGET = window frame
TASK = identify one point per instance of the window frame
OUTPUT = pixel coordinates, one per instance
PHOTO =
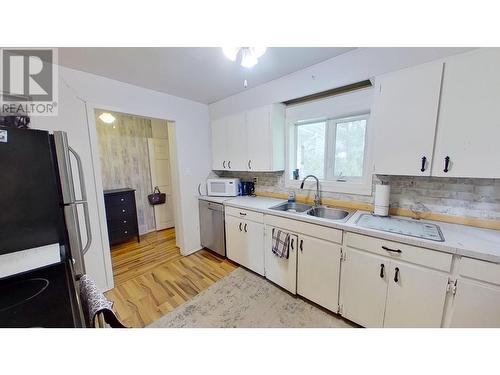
(360, 185)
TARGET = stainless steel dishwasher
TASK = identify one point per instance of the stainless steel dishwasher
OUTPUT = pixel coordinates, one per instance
(212, 226)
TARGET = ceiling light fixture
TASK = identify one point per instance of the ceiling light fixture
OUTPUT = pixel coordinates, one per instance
(249, 55)
(107, 118)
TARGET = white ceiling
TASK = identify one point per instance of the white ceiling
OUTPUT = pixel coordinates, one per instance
(201, 74)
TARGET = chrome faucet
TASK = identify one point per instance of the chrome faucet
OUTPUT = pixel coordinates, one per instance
(317, 199)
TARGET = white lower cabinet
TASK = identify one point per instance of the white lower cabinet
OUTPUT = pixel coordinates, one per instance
(415, 296)
(384, 291)
(318, 271)
(281, 271)
(363, 287)
(245, 243)
(476, 300)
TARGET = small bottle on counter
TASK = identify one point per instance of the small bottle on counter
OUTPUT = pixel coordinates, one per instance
(291, 196)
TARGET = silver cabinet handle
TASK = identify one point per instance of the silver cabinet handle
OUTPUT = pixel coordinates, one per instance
(229, 164)
(199, 188)
(83, 202)
(249, 164)
(224, 164)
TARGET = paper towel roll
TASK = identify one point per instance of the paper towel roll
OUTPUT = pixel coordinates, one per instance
(382, 194)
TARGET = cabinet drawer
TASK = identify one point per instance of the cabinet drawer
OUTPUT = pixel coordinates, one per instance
(245, 214)
(118, 200)
(118, 213)
(412, 254)
(480, 270)
(313, 230)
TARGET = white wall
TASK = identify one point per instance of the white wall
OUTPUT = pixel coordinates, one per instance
(354, 66)
(192, 138)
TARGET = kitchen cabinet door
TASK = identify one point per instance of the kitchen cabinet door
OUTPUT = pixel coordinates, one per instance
(415, 296)
(469, 116)
(236, 142)
(219, 140)
(235, 240)
(254, 245)
(475, 305)
(259, 139)
(363, 287)
(318, 271)
(404, 116)
(245, 243)
(281, 271)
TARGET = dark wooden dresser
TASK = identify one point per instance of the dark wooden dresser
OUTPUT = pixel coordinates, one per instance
(121, 214)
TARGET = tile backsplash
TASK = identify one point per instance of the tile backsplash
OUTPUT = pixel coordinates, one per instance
(463, 197)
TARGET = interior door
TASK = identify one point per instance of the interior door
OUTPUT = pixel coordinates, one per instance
(281, 271)
(475, 305)
(159, 164)
(415, 296)
(404, 115)
(236, 144)
(219, 140)
(469, 116)
(363, 287)
(318, 271)
(259, 141)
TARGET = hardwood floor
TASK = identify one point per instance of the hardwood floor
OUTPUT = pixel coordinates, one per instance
(152, 278)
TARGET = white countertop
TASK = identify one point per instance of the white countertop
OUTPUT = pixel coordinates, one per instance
(463, 240)
(214, 199)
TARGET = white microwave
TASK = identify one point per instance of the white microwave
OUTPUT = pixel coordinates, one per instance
(223, 187)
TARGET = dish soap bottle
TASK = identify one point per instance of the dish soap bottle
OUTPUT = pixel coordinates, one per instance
(291, 197)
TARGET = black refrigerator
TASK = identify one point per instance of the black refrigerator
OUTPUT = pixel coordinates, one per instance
(39, 211)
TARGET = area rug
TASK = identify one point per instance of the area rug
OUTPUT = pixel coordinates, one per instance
(245, 300)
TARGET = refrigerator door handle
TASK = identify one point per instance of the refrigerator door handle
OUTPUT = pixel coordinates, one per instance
(83, 201)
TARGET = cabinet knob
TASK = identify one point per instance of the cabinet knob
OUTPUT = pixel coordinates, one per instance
(126, 231)
(424, 161)
(123, 210)
(396, 274)
(124, 221)
(446, 164)
(122, 199)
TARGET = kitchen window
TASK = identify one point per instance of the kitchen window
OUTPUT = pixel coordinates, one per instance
(334, 150)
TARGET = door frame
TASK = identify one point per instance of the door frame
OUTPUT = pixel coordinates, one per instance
(95, 155)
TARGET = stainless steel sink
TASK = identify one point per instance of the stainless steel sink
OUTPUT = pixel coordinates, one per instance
(292, 207)
(335, 214)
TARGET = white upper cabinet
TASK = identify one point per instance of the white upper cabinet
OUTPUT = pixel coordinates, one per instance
(469, 117)
(448, 115)
(219, 136)
(236, 150)
(252, 140)
(404, 115)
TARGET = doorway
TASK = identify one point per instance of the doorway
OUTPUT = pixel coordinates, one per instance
(135, 156)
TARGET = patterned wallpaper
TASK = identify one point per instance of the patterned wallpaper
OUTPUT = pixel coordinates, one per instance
(464, 197)
(125, 161)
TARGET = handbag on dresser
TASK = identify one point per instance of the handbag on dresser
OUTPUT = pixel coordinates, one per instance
(157, 197)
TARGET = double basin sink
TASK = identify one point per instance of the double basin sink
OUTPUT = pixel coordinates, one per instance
(324, 212)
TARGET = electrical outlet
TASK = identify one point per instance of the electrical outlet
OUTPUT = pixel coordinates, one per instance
(255, 180)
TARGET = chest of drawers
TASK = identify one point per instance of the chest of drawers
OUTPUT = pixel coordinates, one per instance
(121, 215)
